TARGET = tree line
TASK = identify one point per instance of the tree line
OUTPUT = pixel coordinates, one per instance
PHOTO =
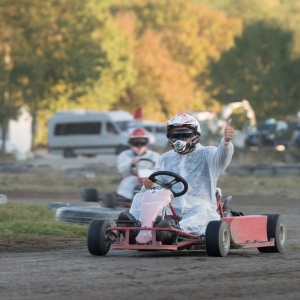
(163, 55)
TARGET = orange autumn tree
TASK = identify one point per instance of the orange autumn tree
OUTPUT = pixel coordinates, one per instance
(174, 43)
(197, 37)
(163, 87)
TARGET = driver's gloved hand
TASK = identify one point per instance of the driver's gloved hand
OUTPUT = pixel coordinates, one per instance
(148, 184)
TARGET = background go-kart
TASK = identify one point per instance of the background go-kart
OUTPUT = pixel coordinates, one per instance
(65, 270)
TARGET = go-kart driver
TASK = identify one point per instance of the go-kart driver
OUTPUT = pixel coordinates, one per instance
(200, 165)
(138, 141)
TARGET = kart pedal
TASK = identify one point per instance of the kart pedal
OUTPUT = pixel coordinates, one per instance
(237, 213)
(126, 219)
(167, 237)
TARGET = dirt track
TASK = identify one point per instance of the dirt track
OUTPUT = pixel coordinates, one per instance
(68, 271)
(65, 270)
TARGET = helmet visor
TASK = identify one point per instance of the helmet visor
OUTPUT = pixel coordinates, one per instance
(181, 134)
(138, 142)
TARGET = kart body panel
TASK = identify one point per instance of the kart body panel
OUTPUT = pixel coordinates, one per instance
(247, 229)
(152, 203)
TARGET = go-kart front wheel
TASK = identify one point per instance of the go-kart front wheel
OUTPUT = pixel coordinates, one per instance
(217, 238)
(109, 200)
(276, 229)
(98, 238)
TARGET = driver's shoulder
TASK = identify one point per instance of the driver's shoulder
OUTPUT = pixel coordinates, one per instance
(126, 153)
(169, 155)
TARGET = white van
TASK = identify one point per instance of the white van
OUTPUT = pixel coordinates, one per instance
(159, 132)
(88, 133)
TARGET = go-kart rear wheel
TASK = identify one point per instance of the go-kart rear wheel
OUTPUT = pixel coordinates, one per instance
(110, 200)
(136, 189)
(217, 238)
(98, 238)
(276, 228)
(90, 195)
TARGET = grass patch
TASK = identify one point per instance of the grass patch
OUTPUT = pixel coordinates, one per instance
(62, 181)
(30, 223)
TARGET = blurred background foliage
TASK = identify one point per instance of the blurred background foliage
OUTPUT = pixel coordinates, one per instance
(166, 56)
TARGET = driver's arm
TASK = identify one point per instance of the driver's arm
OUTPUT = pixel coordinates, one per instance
(147, 183)
(124, 164)
(135, 160)
(221, 157)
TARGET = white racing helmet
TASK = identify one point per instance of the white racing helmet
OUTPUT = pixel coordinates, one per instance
(183, 132)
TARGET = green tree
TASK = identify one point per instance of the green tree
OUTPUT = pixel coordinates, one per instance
(9, 108)
(115, 66)
(259, 68)
(53, 45)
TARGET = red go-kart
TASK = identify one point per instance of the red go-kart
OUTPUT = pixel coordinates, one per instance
(267, 232)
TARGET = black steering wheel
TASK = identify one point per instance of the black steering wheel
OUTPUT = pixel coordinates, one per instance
(169, 185)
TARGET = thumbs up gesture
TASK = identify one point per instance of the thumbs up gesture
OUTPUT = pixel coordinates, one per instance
(229, 131)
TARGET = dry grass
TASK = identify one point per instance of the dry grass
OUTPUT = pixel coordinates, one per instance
(60, 181)
(287, 187)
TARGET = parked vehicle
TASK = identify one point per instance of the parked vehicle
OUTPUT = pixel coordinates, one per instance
(88, 133)
(297, 138)
(296, 133)
(159, 132)
(271, 133)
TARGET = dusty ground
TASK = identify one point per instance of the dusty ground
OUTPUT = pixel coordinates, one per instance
(65, 270)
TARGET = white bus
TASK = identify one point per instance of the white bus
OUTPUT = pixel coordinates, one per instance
(88, 133)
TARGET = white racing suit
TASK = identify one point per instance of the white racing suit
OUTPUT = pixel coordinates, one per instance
(201, 168)
(129, 179)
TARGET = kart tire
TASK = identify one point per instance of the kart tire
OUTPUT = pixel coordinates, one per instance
(98, 238)
(276, 228)
(84, 215)
(110, 200)
(217, 238)
(90, 195)
(56, 205)
(137, 189)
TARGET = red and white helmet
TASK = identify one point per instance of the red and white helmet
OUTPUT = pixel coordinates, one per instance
(139, 139)
(183, 132)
